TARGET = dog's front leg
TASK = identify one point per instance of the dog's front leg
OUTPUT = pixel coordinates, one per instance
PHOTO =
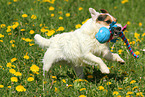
(98, 61)
(107, 54)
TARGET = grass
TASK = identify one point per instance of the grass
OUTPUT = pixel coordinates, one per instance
(124, 80)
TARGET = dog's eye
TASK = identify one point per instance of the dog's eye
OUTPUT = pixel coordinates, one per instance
(108, 22)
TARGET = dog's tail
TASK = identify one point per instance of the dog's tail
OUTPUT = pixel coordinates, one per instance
(43, 42)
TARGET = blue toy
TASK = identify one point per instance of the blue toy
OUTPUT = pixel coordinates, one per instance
(105, 34)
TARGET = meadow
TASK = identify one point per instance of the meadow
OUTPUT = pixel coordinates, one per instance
(21, 73)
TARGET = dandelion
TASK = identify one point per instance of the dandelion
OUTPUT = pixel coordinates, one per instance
(34, 68)
(26, 56)
(67, 14)
(54, 77)
(63, 80)
(60, 29)
(115, 93)
(33, 17)
(137, 52)
(30, 79)
(24, 15)
(55, 89)
(139, 94)
(129, 93)
(70, 85)
(82, 89)
(82, 96)
(109, 83)
(9, 87)
(80, 8)
(133, 81)
(61, 18)
(120, 51)
(143, 34)
(3, 25)
(1, 35)
(140, 24)
(78, 26)
(12, 41)
(13, 59)
(52, 15)
(14, 79)
(31, 32)
(136, 35)
(134, 87)
(1, 86)
(51, 8)
(12, 71)
(13, 45)
(31, 44)
(9, 65)
(101, 88)
(15, 0)
(60, 12)
(8, 30)
(50, 32)
(18, 74)
(1, 41)
(124, 1)
(22, 30)
(20, 88)
(128, 22)
(120, 88)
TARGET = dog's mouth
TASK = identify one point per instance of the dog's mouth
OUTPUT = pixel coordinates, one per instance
(117, 31)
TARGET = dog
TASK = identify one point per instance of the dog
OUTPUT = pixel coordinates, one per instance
(80, 46)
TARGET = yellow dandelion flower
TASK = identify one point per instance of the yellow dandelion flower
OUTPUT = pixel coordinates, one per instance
(13, 59)
(61, 18)
(28, 40)
(120, 88)
(82, 89)
(1, 35)
(50, 32)
(26, 56)
(33, 17)
(109, 83)
(55, 89)
(9, 65)
(20, 88)
(31, 32)
(9, 33)
(67, 14)
(3, 25)
(128, 22)
(51, 8)
(8, 30)
(134, 87)
(22, 30)
(82, 96)
(18, 74)
(13, 71)
(70, 85)
(78, 26)
(60, 29)
(12, 41)
(1, 86)
(129, 93)
(30, 79)
(31, 44)
(115, 93)
(24, 15)
(139, 94)
(140, 24)
(1, 41)
(143, 34)
(15, 0)
(80, 8)
(9, 87)
(34, 68)
(136, 35)
(13, 45)
(14, 79)
(54, 77)
(101, 88)
(63, 80)
(120, 51)
(60, 12)
(43, 30)
(137, 52)
(52, 15)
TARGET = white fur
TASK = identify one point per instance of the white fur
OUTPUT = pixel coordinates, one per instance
(78, 47)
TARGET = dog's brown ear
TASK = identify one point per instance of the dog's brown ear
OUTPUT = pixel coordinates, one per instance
(103, 11)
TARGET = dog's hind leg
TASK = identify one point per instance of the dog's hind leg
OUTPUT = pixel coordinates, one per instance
(98, 61)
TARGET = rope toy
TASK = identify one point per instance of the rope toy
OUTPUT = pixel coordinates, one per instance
(106, 35)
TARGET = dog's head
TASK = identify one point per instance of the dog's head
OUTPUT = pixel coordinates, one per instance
(105, 19)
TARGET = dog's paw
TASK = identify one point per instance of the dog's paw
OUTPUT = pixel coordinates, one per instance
(121, 61)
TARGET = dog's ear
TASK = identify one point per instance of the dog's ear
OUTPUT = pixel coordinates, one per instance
(94, 14)
(103, 11)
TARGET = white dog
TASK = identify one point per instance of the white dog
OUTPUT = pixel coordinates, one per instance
(80, 46)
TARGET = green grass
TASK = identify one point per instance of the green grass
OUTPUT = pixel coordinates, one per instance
(65, 83)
